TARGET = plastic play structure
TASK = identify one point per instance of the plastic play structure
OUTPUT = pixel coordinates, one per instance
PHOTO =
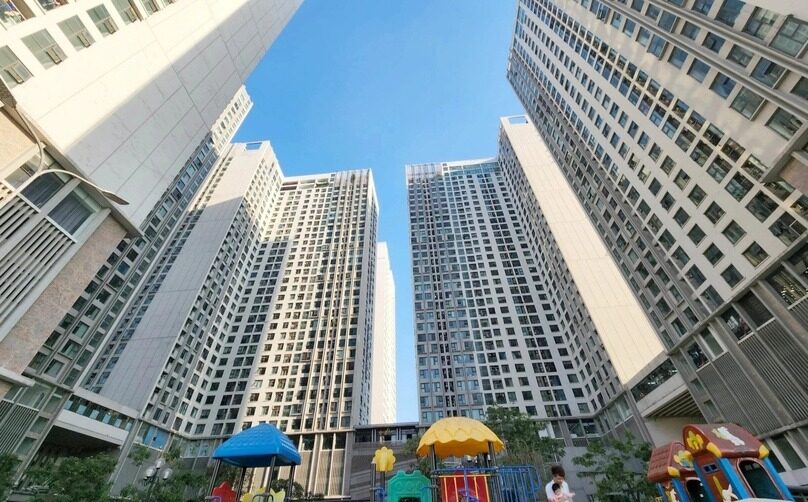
(715, 463)
(260, 446)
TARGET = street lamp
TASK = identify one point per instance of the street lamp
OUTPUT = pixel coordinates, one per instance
(153, 475)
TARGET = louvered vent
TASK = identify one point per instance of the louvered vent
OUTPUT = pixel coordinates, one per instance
(14, 423)
(29, 260)
(762, 419)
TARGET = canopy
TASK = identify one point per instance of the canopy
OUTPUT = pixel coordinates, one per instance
(670, 461)
(458, 436)
(256, 446)
(723, 440)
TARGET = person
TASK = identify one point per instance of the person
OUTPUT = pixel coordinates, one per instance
(559, 495)
(558, 479)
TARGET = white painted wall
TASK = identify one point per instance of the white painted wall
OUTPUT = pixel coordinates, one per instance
(383, 373)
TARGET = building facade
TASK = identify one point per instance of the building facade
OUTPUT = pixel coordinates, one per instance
(514, 306)
(383, 380)
(681, 127)
(102, 103)
(85, 328)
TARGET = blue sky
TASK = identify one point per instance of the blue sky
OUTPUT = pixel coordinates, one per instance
(379, 84)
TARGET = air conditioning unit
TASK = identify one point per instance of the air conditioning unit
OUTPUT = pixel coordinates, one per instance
(84, 38)
(110, 25)
(53, 54)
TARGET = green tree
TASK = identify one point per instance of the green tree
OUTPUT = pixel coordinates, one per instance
(8, 466)
(74, 478)
(523, 443)
(298, 492)
(618, 468)
(423, 464)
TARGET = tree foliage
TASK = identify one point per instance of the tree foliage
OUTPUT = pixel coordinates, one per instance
(74, 478)
(618, 468)
(8, 466)
(523, 442)
(423, 464)
(298, 491)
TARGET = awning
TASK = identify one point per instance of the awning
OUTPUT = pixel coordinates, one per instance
(257, 446)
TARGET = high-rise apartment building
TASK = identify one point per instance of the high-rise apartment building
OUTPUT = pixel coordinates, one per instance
(29, 415)
(383, 375)
(259, 310)
(515, 304)
(102, 102)
(681, 127)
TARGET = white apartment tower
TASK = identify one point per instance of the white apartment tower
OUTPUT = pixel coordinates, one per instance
(682, 128)
(383, 379)
(102, 103)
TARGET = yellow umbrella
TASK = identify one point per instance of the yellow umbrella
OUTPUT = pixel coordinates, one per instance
(458, 436)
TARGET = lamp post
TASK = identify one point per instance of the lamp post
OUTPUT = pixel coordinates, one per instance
(153, 476)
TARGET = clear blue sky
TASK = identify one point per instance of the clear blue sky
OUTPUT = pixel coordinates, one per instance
(379, 84)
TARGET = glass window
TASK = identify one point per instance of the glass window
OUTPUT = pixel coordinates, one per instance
(657, 46)
(12, 70)
(755, 254)
(732, 276)
(75, 31)
(787, 452)
(682, 179)
(45, 186)
(690, 30)
(668, 21)
(696, 234)
(780, 188)
(739, 55)
(722, 85)
(697, 355)
(713, 254)
(126, 10)
(791, 37)
(768, 72)
(718, 169)
(801, 89)
(736, 324)
(713, 42)
(643, 37)
(711, 297)
(151, 6)
(787, 229)
(739, 186)
(681, 217)
(73, 211)
(677, 57)
(801, 206)
(51, 4)
(754, 309)
(44, 47)
(784, 123)
(799, 261)
(729, 11)
(747, 103)
(695, 276)
(712, 343)
(697, 195)
(734, 232)
(786, 285)
(762, 206)
(754, 167)
(702, 6)
(698, 69)
(629, 27)
(103, 21)
(714, 212)
(760, 22)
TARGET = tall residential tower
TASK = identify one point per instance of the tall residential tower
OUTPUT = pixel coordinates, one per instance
(383, 377)
(681, 127)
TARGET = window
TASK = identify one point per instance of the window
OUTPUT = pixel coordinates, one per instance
(732, 276)
(761, 206)
(791, 37)
(713, 42)
(729, 11)
(696, 234)
(629, 27)
(45, 186)
(677, 57)
(103, 21)
(739, 186)
(698, 69)
(713, 254)
(73, 210)
(760, 22)
(44, 47)
(668, 21)
(657, 46)
(754, 167)
(643, 37)
(695, 276)
(801, 89)
(667, 201)
(697, 195)
(784, 123)
(697, 355)
(786, 285)
(75, 31)
(718, 169)
(767, 72)
(736, 324)
(754, 309)
(714, 347)
(51, 4)
(722, 85)
(739, 55)
(12, 70)
(755, 254)
(747, 103)
(734, 232)
(780, 188)
(682, 179)
(126, 10)
(702, 6)
(681, 217)
(787, 229)
(714, 212)
(690, 30)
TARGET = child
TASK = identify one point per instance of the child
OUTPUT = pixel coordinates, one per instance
(559, 495)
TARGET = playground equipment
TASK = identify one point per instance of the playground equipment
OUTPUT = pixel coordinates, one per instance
(260, 446)
(383, 461)
(478, 480)
(716, 463)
